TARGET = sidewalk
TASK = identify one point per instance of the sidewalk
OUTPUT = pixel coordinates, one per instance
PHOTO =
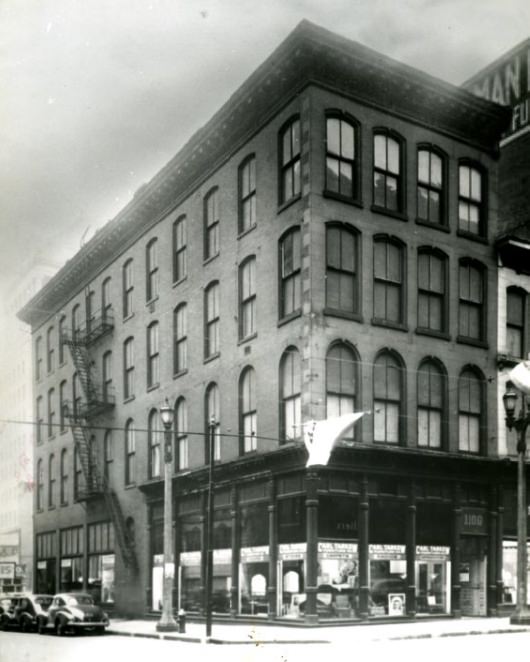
(235, 633)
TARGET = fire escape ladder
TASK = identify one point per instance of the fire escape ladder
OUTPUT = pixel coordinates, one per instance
(82, 364)
(125, 542)
(84, 453)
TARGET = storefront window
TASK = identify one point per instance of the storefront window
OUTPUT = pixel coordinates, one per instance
(337, 580)
(433, 573)
(190, 581)
(222, 580)
(254, 580)
(101, 577)
(72, 574)
(291, 579)
(388, 580)
(509, 572)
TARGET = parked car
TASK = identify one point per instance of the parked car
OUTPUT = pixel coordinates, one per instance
(20, 611)
(73, 612)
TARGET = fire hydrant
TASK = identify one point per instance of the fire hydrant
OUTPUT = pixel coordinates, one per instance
(181, 621)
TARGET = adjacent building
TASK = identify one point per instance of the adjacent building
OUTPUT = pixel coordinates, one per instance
(324, 244)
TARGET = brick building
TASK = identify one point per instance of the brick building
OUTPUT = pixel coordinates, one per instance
(324, 244)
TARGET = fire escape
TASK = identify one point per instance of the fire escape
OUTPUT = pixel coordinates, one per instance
(80, 414)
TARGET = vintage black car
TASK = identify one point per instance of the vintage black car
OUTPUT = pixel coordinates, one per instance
(20, 611)
(73, 612)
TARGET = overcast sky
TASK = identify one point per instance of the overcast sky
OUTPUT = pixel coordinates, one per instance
(97, 95)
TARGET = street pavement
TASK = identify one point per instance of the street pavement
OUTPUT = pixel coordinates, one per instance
(264, 633)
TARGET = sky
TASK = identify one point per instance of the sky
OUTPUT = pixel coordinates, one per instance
(97, 96)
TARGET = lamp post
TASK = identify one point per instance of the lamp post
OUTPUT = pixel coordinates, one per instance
(521, 615)
(209, 532)
(167, 623)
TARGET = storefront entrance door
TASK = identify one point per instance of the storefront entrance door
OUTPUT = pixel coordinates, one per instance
(473, 568)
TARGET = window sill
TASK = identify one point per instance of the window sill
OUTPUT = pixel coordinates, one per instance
(356, 202)
(433, 334)
(284, 205)
(398, 215)
(62, 364)
(65, 503)
(63, 431)
(434, 226)
(474, 342)
(152, 301)
(51, 507)
(153, 387)
(246, 339)
(179, 281)
(51, 437)
(209, 259)
(344, 314)
(290, 317)
(130, 316)
(390, 325)
(129, 399)
(180, 373)
(212, 357)
(130, 486)
(472, 237)
(247, 231)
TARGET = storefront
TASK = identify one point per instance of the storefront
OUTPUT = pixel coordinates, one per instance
(101, 562)
(46, 567)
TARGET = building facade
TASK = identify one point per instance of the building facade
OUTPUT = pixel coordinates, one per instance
(323, 245)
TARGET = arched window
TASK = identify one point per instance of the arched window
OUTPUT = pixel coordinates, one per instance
(432, 413)
(128, 288)
(389, 281)
(153, 356)
(472, 299)
(51, 412)
(76, 321)
(431, 191)
(180, 257)
(40, 484)
(180, 335)
(247, 194)
(388, 398)
(108, 455)
(471, 199)
(77, 396)
(212, 410)
(341, 381)
(62, 333)
(470, 410)
(516, 322)
(128, 368)
(290, 270)
(388, 172)
(181, 434)
(50, 350)
(151, 270)
(108, 390)
(38, 358)
(433, 310)
(62, 402)
(341, 156)
(212, 323)
(78, 475)
(290, 395)
(130, 453)
(154, 435)
(289, 177)
(342, 260)
(106, 302)
(211, 224)
(51, 481)
(247, 298)
(90, 310)
(248, 410)
(64, 477)
(39, 416)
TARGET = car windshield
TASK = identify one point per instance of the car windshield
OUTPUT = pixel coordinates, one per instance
(44, 602)
(73, 600)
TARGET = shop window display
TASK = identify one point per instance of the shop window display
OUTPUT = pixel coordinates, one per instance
(337, 580)
(388, 580)
(433, 573)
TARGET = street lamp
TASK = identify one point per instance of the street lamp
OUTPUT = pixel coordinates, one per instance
(521, 615)
(167, 623)
(209, 533)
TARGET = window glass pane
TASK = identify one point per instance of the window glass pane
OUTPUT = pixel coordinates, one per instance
(334, 247)
(333, 299)
(476, 186)
(333, 135)
(394, 263)
(379, 189)
(296, 137)
(515, 308)
(346, 179)
(436, 170)
(380, 152)
(434, 207)
(393, 156)
(423, 203)
(347, 141)
(423, 427)
(286, 146)
(391, 193)
(464, 181)
(332, 174)
(347, 294)
(393, 303)
(435, 314)
(296, 176)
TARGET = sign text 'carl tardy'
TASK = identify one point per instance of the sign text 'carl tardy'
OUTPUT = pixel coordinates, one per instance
(507, 82)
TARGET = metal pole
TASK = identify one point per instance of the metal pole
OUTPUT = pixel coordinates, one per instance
(167, 622)
(209, 535)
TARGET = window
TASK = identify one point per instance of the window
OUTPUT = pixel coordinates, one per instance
(51, 413)
(108, 395)
(431, 187)
(432, 291)
(247, 298)
(38, 358)
(77, 396)
(290, 395)
(51, 481)
(341, 269)
(76, 321)
(341, 157)
(290, 268)
(211, 332)
(180, 331)
(128, 368)
(39, 419)
(388, 179)
(128, 288)
(78, 474)
(62, 333)
(212, 409)
(470, 406)
(90, 310)
(50, 349)
(108, 455)
(62, 402)
(389, 290)
(106, 303)
(181, 434)
(247, 408)
(64, 477)
(180, 256)
(471, 210)
(290, 161)
(130, 453)
(153, 357)
(211, 224)
(388, 398)
(151, 270)
(341, 381)
(516, 322)
(431, 404)
(40, 484)
(154, 435)
(471, 301)
(247, 194)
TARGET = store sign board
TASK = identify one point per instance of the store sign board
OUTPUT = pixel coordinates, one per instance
(7, 570)
(336, 550)
(474, 522)
(254, 554)
(222, 555)
(432, 553)
(190, 558)
(387, 552)
(66, 563)
(292, 551)
(41, 565)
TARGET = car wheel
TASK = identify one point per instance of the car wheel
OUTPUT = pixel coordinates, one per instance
(60, 627)
(24, 625)
(41, 627)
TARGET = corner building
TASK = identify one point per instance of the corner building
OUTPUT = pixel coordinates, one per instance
(322, 245)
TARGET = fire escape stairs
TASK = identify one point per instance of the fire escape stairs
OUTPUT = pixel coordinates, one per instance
(79, 416)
